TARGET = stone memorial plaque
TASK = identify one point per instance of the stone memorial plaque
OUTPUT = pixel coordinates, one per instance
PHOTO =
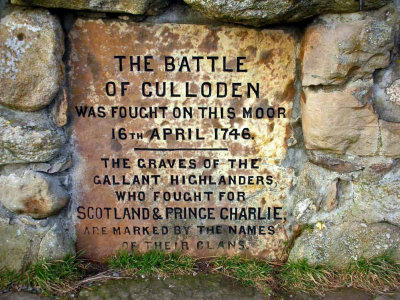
(179, 131)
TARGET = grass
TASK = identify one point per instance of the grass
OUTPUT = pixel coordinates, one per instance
(48, 277)
(250, 272)
(300, 275)
(379, 273)
(375, 275)
(153, 263)
(55, 276)
(7, 278)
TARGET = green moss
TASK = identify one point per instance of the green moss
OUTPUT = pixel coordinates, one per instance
(308, 227)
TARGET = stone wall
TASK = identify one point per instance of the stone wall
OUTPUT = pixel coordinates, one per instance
(344, 153)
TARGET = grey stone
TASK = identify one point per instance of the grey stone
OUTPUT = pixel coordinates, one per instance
(135, 7)
(390, 137)
(347, 294)
(339, 294)
(21, 296)
(336, 164)
(28, 137)
(59, 164)
(33, 194)
(390, 296)
(179, 287)
(59, 108)
(261, 12)
(387, 92)
(22, 244)
(368, 196)
(181, 14)
(56, 244)
(393, 92)
(31, 50)
(340, 244)
(317, 192)
(15, 246)
(376, 200)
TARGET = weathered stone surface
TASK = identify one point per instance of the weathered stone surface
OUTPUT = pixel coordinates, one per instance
(340, 121)
(369, 196)
(340, 47)
(356, 212)
(33, 194)
(339, 294)
(348, 293)
(270, 60)
(375, 201)
(28, 137)
(340, 244)
(22, 296)
(56, 244)
(336, 164)
(136, 7)
(261, 12)
(58, 165)
(393, 92)
(390, 296)
(390, 133)
(180, 13)
(23, 242)
(213, 287)
(15, 246)
(377, 168)
(59, 108)
(387, 92)
(31, 50)
(316, 190)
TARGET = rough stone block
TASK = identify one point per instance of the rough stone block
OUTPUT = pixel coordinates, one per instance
(387, 92)
(340, 47)
(339, 122)
(390, 133)
(28, 137)
(135, 7)
(351, 240)
(261, 12)
(25, 241)
(31, 51)
(33, 194)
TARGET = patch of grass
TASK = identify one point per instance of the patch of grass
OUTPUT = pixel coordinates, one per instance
(300, 275)
(55, 276)
(8, 278)
(375, 275)
(250, 272)
(50, 278)
(153, 263)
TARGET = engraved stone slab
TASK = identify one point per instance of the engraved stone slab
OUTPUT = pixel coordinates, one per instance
(179, 131)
